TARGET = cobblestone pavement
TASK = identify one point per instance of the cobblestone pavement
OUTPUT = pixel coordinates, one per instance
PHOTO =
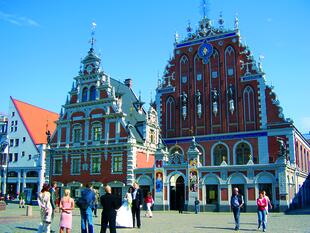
(13, 220)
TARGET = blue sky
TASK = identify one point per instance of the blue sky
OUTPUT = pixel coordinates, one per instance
(41, 44)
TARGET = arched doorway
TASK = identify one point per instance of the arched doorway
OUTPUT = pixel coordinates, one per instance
(177, 191)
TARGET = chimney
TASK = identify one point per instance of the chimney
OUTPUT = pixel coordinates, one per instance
(128, 82)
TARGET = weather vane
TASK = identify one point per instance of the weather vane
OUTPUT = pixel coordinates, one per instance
(93, 29)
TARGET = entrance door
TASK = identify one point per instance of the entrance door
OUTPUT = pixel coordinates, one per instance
(177, 194)
(212, 197)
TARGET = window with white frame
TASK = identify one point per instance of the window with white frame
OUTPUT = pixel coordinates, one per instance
(75, 165)
(117, 163)
(95, 164)
(77, 133)
(57, 168)
(96, 133)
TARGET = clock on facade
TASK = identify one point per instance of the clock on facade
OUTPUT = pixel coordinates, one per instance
(89, 68)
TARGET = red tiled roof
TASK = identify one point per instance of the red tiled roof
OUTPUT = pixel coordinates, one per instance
(36, 120)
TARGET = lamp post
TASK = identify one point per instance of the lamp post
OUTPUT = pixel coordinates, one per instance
(3, 145)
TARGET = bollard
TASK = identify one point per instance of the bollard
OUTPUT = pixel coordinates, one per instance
(29, 210)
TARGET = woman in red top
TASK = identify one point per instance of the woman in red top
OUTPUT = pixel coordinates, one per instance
(149, 202)
(261, 211)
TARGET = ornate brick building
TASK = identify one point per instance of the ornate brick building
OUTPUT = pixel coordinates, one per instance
(103, 133)
(224, 127)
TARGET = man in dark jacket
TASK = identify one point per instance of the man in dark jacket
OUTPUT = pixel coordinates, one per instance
(236, 202)
(53, 199)
(137, 201)
(88, 196)
(109, 205)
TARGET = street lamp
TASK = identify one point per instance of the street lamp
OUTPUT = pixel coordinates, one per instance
(3, 145)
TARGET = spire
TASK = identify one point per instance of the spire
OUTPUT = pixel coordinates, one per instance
(93, 40)
(236, 22)
(204, 8)
(221, 21)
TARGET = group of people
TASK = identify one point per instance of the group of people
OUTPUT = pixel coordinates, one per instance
(263, 205)
(126, 215)
(113, 215)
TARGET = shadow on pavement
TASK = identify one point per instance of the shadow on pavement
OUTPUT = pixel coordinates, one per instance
(225, 228)
(28, 228)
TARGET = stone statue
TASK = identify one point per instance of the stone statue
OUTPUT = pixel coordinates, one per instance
(198, 97)
(48, 137)
(215, 95)
(231, 91)
(283, 149)
(184, 98)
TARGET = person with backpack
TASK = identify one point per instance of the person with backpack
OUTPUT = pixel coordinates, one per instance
(236, 203)
(85, 203)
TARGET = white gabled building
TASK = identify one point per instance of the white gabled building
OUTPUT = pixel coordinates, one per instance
(25, 168)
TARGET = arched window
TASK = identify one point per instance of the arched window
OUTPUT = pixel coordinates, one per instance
(32, 174)
(220, 154)
(92, 93)
(170, 111)
(243, 153)
(184, 69)
(84, 94)
(230, 61)
(249, 106)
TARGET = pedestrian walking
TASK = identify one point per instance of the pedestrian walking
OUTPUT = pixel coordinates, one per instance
(21, 198)
(44, 202)
(261, 211)
(149, 201)
(109, 205)
(53, 199)
(85, 203)
(197, 202)
(137, 200)
(181, 205)
(269, 205)
(236, 203)
(96, 202)
(66, 207)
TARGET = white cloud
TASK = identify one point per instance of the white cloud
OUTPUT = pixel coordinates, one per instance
(18, 20)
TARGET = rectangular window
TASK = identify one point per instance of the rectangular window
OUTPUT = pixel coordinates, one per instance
(23, 153)
(97, 133)
(10, 157)
(214, 74)
(13, 114)
(15, 128)
(16, 122)
(12, 123)
(15, 157)
(75, 166)
(199, 77)
(11, 142)
(95, 165)
(76, 135)
(24, 139)
(117, 164)
(57, 166)
(16, 142)
(12, 129)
